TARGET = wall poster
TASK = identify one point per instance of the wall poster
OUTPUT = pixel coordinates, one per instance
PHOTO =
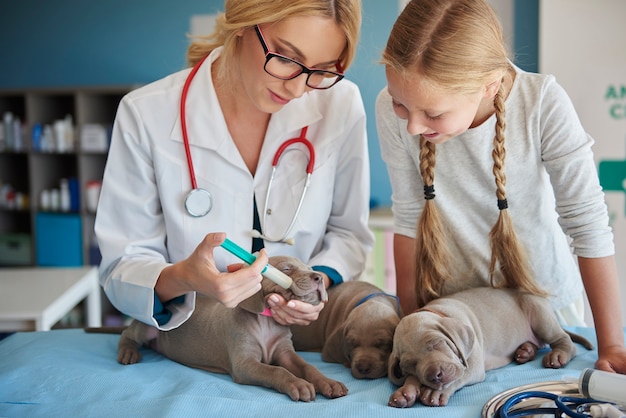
(581, 42)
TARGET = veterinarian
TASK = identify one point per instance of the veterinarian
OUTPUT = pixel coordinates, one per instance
(191, 159)
(494, 167)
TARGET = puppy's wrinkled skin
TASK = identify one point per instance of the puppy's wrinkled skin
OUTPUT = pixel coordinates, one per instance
(359, 337)
(254, 349)
(453, 340)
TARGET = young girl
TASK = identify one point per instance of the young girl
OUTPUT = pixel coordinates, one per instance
(272, 71)
(493, 166)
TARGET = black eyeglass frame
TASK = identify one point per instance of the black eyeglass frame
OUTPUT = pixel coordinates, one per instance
(304, 69)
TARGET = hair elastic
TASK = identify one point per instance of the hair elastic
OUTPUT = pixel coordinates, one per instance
(429, 192)
(503, 204)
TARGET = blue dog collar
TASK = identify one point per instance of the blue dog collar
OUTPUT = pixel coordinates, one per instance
(371, 295)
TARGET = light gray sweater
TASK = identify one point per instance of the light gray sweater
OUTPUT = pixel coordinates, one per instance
(553, 191)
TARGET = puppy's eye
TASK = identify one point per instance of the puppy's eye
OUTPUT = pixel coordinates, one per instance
(434, 345)
(383, 345)
(351, 341)
(286, 269)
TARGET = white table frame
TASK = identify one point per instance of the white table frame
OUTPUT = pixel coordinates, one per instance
(36, 298)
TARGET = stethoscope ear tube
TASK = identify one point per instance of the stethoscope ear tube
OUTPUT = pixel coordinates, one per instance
(302, 140)
(309, 170)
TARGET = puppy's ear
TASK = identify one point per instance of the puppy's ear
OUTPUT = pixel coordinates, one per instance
(333, 350)
(461, 335)
(394, 372)
(254, 304)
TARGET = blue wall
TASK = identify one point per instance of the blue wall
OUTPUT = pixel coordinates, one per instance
(526, 34)
(69, 43)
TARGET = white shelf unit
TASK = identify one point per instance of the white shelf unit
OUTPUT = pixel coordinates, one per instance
(30, 172)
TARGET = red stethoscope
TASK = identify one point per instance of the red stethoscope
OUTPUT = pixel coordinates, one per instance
(199, 201)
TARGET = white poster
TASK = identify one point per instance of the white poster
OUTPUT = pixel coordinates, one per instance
(582, 43)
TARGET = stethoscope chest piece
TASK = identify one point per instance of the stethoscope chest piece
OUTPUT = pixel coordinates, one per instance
(198, 202)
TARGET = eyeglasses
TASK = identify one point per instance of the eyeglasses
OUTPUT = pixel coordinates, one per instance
(285, 68)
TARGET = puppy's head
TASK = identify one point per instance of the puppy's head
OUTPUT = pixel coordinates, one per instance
(308, 285)
(365, 339)
(431, 348)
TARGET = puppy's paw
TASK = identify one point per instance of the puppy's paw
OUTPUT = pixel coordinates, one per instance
(556, 359)
(128, 355)
(331, 388)
(405, 396)
(433, 397)
(301, 390)
(525, 352)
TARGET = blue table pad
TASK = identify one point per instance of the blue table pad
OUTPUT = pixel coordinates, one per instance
(70, 373)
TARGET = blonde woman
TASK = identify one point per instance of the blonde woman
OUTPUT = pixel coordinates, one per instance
(494, 168)
(191, 159)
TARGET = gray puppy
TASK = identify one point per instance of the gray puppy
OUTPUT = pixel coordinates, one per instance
(251, 347)
(355, 328)
(453, 340)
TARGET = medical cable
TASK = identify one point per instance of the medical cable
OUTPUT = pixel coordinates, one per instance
(568, 405)
(198, 201)
(183, 122)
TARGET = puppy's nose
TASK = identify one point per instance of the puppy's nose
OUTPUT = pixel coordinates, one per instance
(364, 368)
(316, 277)
(435, 374)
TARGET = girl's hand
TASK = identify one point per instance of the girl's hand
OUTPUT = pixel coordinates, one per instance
(612, 359)
(294, 312)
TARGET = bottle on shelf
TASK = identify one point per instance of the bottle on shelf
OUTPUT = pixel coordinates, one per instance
(64, 196)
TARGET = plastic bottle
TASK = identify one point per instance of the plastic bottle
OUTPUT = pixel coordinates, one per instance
(8, 130)
(69, 132)
(64, 196)
(45, 202)
(55, 200)
(37, 137)
(47, 139)
(3, 144)
(59, 135)
(603, 386)
(74, 194)
(18, 143)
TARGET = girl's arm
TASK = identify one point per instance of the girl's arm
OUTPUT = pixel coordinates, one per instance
(404, 258)
(602, 287)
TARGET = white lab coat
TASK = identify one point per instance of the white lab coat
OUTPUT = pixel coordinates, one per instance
(142, 225)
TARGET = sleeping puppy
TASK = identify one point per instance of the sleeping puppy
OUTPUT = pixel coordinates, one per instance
(251, 347)
(355, 328)
(453, 340)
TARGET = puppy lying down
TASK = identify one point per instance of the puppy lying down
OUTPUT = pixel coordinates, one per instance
(453, 340)
(251, 347)
(355, 329)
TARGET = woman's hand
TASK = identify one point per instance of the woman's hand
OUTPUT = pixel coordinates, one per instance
(199, 273)
(293, 312)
